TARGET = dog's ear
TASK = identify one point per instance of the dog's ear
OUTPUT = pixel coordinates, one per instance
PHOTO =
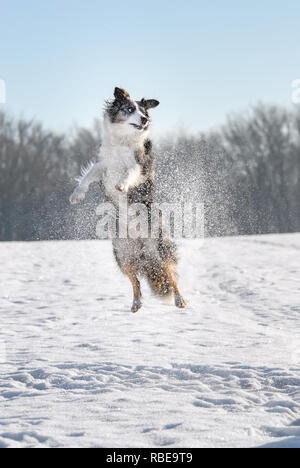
(150, 103)
(121, 94)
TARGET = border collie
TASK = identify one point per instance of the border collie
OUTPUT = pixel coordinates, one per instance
(126, 168)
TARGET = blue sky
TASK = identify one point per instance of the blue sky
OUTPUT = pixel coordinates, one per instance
(202, 59)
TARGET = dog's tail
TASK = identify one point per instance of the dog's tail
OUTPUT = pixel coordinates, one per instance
(160, 285)
(161, 275)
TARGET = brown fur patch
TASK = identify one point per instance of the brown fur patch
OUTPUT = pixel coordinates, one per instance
(161, 278)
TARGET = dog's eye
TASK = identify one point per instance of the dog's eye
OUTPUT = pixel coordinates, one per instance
(131, 110)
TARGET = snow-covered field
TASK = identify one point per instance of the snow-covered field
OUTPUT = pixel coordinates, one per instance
(77, 369)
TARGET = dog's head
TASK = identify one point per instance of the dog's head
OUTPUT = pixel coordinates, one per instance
(132, 117)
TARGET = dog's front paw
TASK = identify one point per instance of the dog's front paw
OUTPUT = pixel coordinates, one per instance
(77, 196)
(121, 188)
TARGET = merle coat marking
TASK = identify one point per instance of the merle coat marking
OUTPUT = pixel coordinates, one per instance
(126, 168)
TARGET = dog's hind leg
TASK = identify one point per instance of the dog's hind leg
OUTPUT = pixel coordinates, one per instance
(179, 300)
(137, 295)
(129, 266)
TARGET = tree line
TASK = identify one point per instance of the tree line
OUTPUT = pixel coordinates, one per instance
(247, 174)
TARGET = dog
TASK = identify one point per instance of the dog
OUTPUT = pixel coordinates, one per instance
(125, 166)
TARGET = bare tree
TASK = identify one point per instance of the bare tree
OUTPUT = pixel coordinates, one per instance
(247, 174)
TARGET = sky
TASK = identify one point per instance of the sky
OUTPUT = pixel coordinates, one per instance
(203, 60)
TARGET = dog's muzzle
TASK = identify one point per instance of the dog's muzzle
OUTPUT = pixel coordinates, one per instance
(141, 127)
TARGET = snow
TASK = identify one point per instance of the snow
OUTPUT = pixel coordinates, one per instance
(77, 369)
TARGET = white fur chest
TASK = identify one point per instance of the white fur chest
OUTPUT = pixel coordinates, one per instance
(115, 161)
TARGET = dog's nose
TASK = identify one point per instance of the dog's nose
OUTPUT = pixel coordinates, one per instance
(144, 120)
